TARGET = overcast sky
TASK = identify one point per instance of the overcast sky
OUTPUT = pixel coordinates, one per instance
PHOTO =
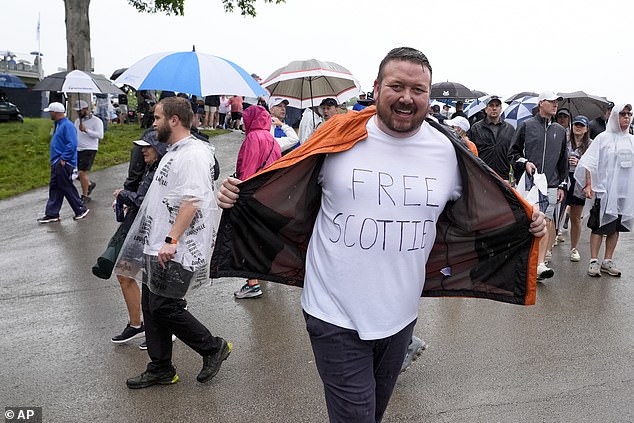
(500, 47)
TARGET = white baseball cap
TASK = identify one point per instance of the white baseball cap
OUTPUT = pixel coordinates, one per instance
(458, 121)
(55, 107)
(549, 95)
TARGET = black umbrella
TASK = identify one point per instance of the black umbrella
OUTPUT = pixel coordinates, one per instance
(117, 73)
(520, 95)
(478, 93)
(580, 103)
(77, 81)
(451, 90)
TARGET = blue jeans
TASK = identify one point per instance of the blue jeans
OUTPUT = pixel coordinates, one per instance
(358, 375)
(61, 186)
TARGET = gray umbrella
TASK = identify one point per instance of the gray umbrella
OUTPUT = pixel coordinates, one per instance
(77, 81)
(305, 83)
(520, 95)
(580, 103)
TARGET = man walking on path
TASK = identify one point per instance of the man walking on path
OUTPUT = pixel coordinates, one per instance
(353, 214)
(539, 145)
(63, 153)
(174, 230)
(89, 132)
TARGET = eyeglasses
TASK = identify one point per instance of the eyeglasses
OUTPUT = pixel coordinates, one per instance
(625, 114)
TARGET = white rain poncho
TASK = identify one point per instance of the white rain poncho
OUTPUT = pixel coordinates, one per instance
(610, 162)
(185, 173)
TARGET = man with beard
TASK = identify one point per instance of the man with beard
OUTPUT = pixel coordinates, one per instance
(89, 132)
(383, 168)
(175, 230)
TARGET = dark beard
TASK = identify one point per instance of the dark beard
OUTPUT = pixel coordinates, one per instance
(163, 134)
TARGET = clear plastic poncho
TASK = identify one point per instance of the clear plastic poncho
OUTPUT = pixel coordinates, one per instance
(185, 174)
(610, 162)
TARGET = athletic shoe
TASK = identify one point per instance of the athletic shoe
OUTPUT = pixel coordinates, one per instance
(91, 186)
(212, 362)
(544, 272)
(48, 219)
(143, 345)
(549, 256)
(128, 334)
(574, 255)
(248, 291)
(148, 378)
(610, 268)
(560, 238)
(594, 269)
(414, 350)
(85, 199)
(82, 215)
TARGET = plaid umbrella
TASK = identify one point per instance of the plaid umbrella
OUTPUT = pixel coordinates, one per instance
(519, 110)
(305, 83)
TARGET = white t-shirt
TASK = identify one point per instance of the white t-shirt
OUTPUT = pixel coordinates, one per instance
(365, 266)
(184, 173)
(89, 140)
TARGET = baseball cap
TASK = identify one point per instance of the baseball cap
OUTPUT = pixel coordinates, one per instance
(55, 107)
(329, 102)
(80, 104)
(458, 121)
(563, 112)
(274, 101)
(493, 98)
(150, 139)
(548, 95)
(581, 119)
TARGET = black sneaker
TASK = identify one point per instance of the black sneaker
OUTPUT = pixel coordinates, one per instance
(147, 378)
(91, 186)
(211, 363)
(81, 215)
(128, 334)
(48, 219)
(85, 199)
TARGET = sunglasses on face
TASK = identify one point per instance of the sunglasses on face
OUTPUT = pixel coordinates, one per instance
(625, 114)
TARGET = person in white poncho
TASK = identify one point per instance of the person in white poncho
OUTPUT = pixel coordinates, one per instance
(606, 170)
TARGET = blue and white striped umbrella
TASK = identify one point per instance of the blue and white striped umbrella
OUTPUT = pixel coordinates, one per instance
(192, 73)
(519, 110)
(476, 105)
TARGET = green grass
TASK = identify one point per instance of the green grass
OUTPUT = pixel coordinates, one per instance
(24, 152)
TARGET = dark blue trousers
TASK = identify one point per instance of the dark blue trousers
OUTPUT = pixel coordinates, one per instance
(358, 376)
(61, 186)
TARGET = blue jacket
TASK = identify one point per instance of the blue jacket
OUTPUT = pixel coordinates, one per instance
(64, 143)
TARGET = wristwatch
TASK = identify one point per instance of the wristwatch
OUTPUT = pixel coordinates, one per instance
(170, 240)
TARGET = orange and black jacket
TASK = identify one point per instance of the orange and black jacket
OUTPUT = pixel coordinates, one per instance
(483, 247)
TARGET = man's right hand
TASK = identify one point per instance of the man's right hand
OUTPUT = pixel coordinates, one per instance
(530, 168)
(228, 193)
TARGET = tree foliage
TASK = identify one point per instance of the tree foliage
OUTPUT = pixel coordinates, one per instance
(177, 7)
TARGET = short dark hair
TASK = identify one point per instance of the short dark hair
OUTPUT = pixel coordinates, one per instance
(407, 54)
(179, 107)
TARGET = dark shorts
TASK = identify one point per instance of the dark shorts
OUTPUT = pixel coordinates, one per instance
(236, 115)
(572, 200)
(607, 229)
(85, 159)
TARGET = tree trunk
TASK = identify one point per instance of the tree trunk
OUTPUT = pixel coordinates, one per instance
(77, 44)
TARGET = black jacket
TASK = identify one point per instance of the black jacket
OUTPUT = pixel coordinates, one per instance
(493, 146)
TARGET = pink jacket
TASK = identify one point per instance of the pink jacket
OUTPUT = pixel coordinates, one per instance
(259, 148)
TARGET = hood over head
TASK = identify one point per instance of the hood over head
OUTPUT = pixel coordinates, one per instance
(256, 117)
(613, 124)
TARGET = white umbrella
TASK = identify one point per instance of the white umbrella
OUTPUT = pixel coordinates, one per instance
(305, 83)
(190, 72)
(77, 81)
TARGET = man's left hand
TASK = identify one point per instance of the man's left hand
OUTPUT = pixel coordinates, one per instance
(561, 193)
(538, 225)
(167, 253)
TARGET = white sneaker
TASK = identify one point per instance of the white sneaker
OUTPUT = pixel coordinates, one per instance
(594, 268)
(574, 255)
(609, 267)
(549, 256)
(544, 272)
